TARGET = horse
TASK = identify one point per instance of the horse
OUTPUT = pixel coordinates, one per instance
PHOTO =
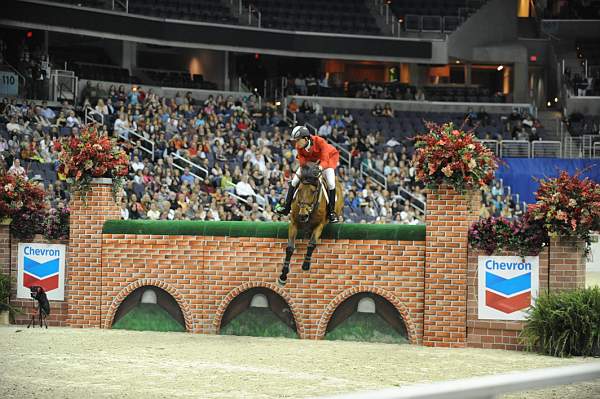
(309, 213)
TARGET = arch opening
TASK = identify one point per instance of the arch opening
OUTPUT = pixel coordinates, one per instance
(149, 308)
(259, 312)
(368, 317)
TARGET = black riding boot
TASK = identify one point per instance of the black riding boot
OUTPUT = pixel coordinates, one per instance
(288, 202)
(331, 207)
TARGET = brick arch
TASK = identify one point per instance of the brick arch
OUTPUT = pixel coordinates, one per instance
(245, 287)
(402, 309)
(124, 293)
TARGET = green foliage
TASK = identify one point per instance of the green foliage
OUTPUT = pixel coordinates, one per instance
(565, 324)
(148, 317)
(366, 327)
(258, 322)
(5, 296)
(4, 291)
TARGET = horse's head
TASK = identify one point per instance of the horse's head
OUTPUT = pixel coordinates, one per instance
(307, 198)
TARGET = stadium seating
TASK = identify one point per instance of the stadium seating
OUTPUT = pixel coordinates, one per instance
(340, 16)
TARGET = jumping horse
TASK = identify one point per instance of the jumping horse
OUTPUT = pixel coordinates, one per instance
(309, 213)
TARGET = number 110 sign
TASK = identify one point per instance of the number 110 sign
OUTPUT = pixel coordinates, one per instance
(9, 83)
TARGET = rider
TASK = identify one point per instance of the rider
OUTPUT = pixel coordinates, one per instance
(313, 149)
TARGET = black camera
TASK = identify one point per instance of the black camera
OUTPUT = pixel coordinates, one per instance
(39, 294)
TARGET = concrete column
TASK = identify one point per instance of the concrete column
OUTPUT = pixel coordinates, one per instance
(129, 55)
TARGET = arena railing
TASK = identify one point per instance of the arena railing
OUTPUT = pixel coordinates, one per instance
(515, 148)
(413, 105)
(579, 146)
(596, 150)
(421, 210)
(492, 145)
(131, 132)
(193, 166)
(376, 176)
(487, 387)
(551, 149)
(120, 5)
(90, 115)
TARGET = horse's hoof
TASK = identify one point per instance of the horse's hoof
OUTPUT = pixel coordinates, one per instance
(306, 266)
(281, 282)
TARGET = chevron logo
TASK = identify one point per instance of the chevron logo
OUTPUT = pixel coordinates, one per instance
(42, 265)
(508, 295)
(44, 274)
(39, 269)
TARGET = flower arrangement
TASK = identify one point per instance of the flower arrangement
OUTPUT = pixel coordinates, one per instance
(91, 155)
(19, 196)
(568, 206)
(525, 236)
(26, 224)
(56, 226)
(447, 155)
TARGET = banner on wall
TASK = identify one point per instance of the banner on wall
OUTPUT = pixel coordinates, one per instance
(43, 265)
(507, 286)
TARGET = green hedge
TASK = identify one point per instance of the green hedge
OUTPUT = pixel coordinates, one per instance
(351, 231)
(565, 324)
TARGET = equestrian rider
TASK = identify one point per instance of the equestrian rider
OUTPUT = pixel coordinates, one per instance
(313, 149)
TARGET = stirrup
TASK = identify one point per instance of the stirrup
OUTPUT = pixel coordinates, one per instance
(333, 218)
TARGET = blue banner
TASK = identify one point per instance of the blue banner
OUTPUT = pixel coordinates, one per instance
(519, 173)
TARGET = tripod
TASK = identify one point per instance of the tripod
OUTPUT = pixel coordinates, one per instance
(41, 315)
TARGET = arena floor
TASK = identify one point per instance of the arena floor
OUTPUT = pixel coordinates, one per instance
(94, 363)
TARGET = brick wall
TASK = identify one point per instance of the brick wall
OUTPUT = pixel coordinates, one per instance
(204, 274)
(84, 273)
(431, 283)
(567, 263)
(4, 249)
(449, 215)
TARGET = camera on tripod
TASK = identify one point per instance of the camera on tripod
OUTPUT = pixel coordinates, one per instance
(43, 305)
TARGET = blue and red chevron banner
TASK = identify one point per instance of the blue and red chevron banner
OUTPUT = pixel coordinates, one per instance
(43, 265)
(508, 286)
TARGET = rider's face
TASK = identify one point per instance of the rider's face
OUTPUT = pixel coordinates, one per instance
(301, 143)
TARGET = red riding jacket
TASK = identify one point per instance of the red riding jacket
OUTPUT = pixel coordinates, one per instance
(327, 155)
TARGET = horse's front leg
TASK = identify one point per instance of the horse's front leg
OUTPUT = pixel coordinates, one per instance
(289, 251)
(312, 244)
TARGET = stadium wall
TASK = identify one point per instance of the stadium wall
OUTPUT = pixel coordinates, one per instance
(427, 274)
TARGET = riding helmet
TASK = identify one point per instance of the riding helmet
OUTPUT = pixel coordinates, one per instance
(300, 132)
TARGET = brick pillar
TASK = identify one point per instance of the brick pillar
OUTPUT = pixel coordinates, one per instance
(84, 261)
(567, 264)
(5, 249)
(449, 216)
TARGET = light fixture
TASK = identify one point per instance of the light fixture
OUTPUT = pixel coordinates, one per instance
(555, 99)
(549, 104)
(458, 61)
(500, 67)
(278, 103)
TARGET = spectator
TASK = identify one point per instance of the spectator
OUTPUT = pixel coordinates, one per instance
(17, 170)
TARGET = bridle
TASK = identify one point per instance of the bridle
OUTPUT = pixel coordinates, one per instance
(316, 196)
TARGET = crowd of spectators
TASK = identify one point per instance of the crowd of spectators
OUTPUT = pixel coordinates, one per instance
(240, 157)
(579, 85)
(499, 202)
(569, 9)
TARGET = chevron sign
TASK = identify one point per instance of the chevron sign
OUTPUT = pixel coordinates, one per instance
(43, 265)
(508, 285)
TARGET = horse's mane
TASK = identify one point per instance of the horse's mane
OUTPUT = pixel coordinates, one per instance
(310, 173)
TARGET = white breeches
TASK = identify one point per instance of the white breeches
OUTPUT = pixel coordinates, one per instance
(329, 174)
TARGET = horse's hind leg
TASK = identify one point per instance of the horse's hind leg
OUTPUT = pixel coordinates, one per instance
(289, 251)
(312, 244)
